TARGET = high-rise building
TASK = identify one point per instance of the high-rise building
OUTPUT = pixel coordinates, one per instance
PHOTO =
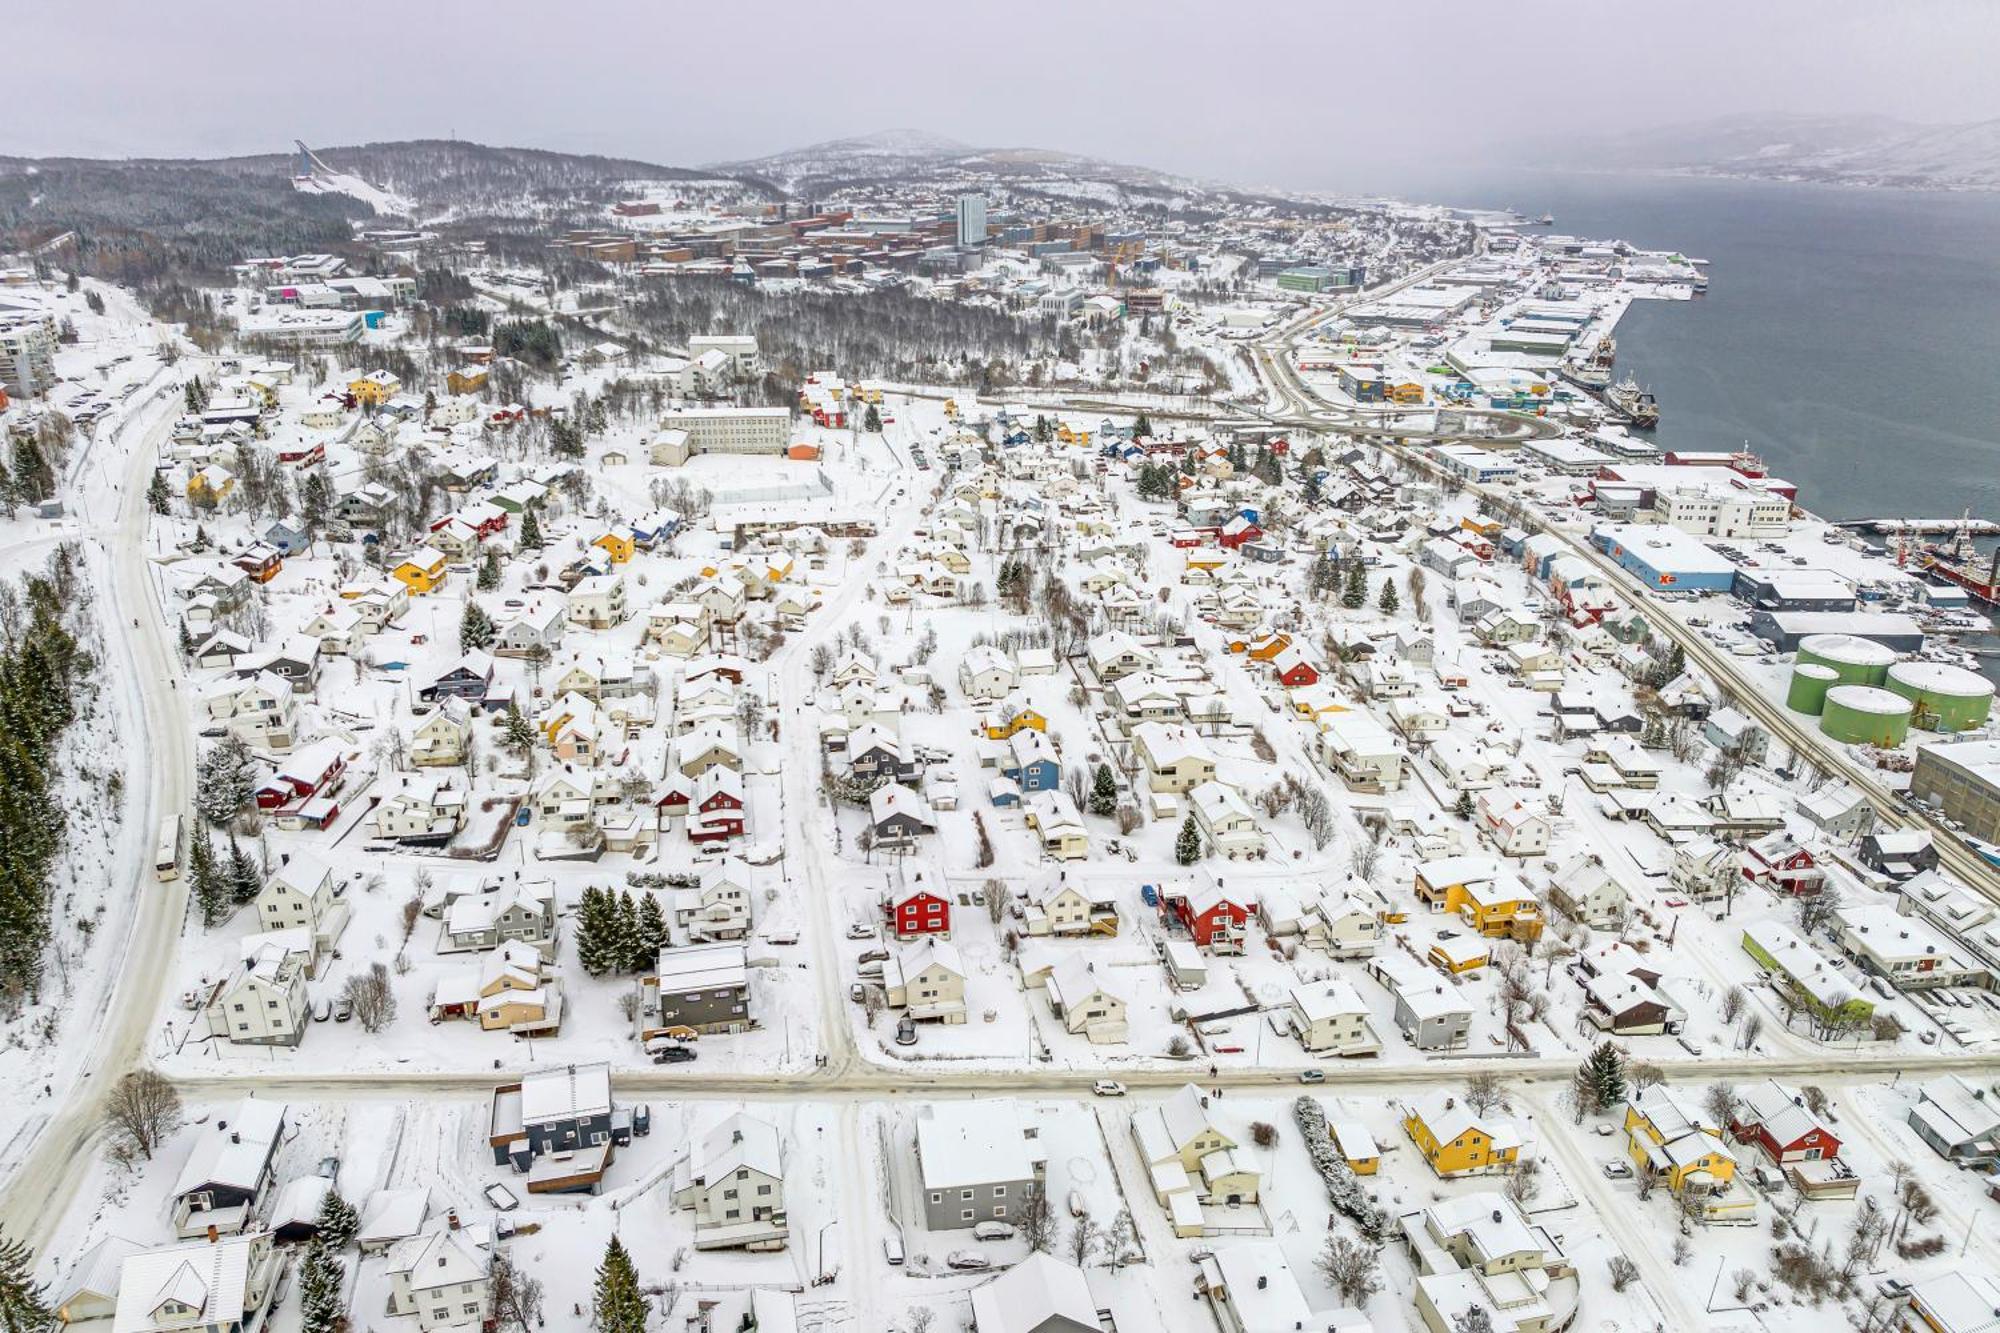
(972, 219)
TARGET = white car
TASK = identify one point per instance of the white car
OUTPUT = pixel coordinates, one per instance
(967, 1259)
(1108, 1087)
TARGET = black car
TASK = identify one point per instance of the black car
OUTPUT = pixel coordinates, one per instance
(673, 1055)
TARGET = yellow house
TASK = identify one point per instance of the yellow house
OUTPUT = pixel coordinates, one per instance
(951, 409)
(998, 729)
(1458, 1141)
(1668, 1141)
(466, 379)
(1460, 955)
(1207, 557)
(953, 559)
(1496, 904)
(211, 485)
(617, 544)
(1267, 648)
(1405, 391)
(423, 570)
(373, 389)
(1357, 1146)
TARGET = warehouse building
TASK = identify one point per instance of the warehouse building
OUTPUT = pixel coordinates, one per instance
(1793, 590)
(1783, 630)
(1963, 780)
(1664, 558)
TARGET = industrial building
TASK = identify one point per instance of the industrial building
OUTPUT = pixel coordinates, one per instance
(1865, 715)
(1786, 630)
(1793, 590)
(1942, 697)
(1663, 557)
(1476, 465)
(1962, 779)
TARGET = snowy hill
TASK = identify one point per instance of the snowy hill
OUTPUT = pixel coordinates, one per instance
(1847, 150)
(914, 156)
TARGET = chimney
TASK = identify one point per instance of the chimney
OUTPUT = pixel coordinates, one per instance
(1263, 1281)
(451, 1219)
(1450, 1102)
(235, 1137)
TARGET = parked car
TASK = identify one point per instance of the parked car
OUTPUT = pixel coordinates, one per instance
(968, 1259)
(343, 1010)
(860, 931)
(1108, 1087)
(673, 1055)
(1618, 1170)
(993, 1230)
(892, 1249)
(1312, 1076)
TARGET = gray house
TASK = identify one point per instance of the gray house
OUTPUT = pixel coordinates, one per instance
(555, 1111)
(976, 1161)
(1431, 1013)
(697, 987)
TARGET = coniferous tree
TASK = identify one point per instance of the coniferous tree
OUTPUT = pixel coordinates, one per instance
(244, 877)
(625, 934)
(211, 890)
(594, 928)
(1104, 792)
(157, 494)
(1463, 806)
(617, 1305)
(1605, 1069)
(1356, 592)
(652, 932)
(222, 780)
(531, 530)
(337, 1223)
(519, 733)
(320, 1279)
(23, 1307)
(1187, 847)
(489, 570)
(1388, 602)
(1142, 427)
(475, 628)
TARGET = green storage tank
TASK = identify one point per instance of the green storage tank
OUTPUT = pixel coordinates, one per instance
(1865, 715)
(1942, 697)
(1857, 661)
(1810, 682)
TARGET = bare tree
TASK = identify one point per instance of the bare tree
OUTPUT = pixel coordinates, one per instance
(1744, 1278)
(517, 1296)
(1119, 1238)
(996, 901)
(1525, 1182)
(1720, 1103)
(373, 998)
(1472, 1319)
(1083, 1239)
(1349, 1267)
(143, 1109)
(1485, 1093)
(921, 1318)
(1036, 1219)
(1733, 1001)
(1623, 1272)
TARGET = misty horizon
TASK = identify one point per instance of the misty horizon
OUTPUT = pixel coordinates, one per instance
(1280, 100)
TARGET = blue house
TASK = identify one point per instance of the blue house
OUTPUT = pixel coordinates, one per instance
(1031, 761)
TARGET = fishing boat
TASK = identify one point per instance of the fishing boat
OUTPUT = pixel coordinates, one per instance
(1958, 562)
(1637, 404)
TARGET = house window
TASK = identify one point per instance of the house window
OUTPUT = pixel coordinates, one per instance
(965, 1214)
(1000, 1211)
(937, 1196)
(999, 1191)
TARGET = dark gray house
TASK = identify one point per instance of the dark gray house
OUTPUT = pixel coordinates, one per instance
(699, 988)
(976, 1160)
(467, 678)
(555, 1111)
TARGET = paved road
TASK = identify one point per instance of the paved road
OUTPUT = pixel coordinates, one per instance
(158, 763)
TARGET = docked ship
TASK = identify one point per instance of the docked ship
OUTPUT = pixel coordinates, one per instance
(1958, 562)
(1592, 369)
(1636, 403)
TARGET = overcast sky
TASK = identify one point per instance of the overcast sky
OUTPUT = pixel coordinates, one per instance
(1307, 93)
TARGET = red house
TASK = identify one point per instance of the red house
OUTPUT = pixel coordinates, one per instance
(1294, 671)
(717, 812)
(301, 453)
(315, 770)
(1213, 920)
(673, 797)
(1778, 862)
(914, 910)
(1777, 1119)
(1237, 531)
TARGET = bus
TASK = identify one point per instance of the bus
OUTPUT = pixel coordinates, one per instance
(167, 856)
